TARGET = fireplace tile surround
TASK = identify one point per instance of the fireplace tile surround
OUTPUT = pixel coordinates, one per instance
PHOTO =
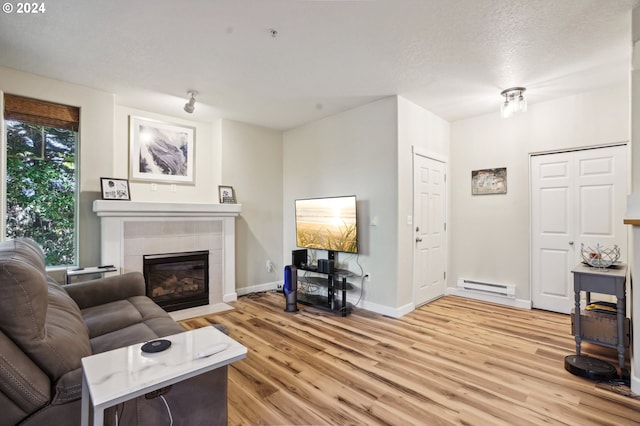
(131, 229)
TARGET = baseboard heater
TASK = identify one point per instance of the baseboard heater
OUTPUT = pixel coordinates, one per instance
(504, 290)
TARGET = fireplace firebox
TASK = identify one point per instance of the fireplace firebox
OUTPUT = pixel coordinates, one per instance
(177, 280)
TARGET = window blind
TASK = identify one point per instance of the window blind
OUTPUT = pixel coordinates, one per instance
(42, 113)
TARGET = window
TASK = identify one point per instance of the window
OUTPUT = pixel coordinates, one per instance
(41, 181)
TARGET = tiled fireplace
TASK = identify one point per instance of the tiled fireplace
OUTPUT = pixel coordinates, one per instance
(130, 230)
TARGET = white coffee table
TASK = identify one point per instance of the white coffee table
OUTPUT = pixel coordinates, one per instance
(112, 377)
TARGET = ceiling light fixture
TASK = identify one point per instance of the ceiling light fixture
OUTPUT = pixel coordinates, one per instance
(514, 101)
(191, 105)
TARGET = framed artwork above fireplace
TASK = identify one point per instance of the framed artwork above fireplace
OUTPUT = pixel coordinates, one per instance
(161, 152)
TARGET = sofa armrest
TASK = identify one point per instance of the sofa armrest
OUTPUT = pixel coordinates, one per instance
(24, 387)
(106, 290)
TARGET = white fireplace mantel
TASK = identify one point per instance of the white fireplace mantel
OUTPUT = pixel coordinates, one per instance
(105, 208)
(118, 216)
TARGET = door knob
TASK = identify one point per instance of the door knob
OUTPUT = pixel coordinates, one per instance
(418, 239)
(570, 243)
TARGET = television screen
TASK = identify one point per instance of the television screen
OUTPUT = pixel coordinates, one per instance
(327, 224)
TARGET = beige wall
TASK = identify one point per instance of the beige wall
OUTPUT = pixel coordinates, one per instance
(367, 151)
(253, 166)
(352, 153)
(251, 163)
(421, 130)
(490, 234)
(207, 164)
(96, 139)
(634, 264)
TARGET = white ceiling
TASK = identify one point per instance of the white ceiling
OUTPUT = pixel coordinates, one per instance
(452, 57)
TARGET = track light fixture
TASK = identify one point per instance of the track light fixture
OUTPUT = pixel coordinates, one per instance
(514, 101)
(191, 105)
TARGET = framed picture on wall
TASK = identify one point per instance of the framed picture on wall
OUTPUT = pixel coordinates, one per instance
(115, 189)
(161, 152)
(489, 181)
(226, 194)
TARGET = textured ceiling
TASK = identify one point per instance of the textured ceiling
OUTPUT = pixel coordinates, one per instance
(453, 57)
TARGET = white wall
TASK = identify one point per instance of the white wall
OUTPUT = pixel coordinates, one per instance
(634, 253)
(253, 166)
(207, 170)
(251, 162)
(367, 151)
(490, 234)
(424, 131)
(354, 152)
(96, 139)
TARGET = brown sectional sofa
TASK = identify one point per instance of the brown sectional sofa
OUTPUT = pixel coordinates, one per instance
(46, 328)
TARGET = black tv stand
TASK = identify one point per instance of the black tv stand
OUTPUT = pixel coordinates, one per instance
(336, 284)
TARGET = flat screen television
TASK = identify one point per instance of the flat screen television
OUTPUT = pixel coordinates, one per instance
(327, 224)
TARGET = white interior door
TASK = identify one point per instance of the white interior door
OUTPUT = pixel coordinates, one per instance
(430, 229)
(576, 198)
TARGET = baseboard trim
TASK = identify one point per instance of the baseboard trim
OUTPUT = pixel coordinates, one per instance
(230, 297)
(258, 288)
(635, 384)
(199, 311)
(385, 310)
(514, 303)
(369, 306)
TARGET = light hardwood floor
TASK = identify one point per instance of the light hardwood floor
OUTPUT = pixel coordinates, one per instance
(453, 361)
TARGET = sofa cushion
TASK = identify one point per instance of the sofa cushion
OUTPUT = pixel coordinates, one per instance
(155, 317)
(131, 335)
(37, 314)
(103, 319)
(127, 322)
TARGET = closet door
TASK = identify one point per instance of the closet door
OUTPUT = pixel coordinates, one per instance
(577, 198)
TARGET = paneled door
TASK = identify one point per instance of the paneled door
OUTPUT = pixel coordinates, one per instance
(430, 229)
(577, 198)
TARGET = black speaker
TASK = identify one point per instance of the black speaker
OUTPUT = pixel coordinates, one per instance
(299, 257)
(322, 265)
(325, 265)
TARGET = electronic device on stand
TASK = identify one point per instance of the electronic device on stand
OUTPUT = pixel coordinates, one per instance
(334, 280)
(329, 224)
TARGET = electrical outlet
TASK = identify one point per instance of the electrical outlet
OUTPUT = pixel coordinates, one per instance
(269, 265)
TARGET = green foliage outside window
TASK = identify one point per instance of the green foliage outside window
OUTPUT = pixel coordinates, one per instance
(41, 188)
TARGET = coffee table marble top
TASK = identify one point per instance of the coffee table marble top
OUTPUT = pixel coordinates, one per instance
(126, 373)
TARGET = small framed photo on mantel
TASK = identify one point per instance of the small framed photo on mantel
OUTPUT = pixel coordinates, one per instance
(115, 189)
(226, 194)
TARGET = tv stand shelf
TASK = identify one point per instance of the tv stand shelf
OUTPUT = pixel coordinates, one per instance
(322, 282)
(336, 284)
